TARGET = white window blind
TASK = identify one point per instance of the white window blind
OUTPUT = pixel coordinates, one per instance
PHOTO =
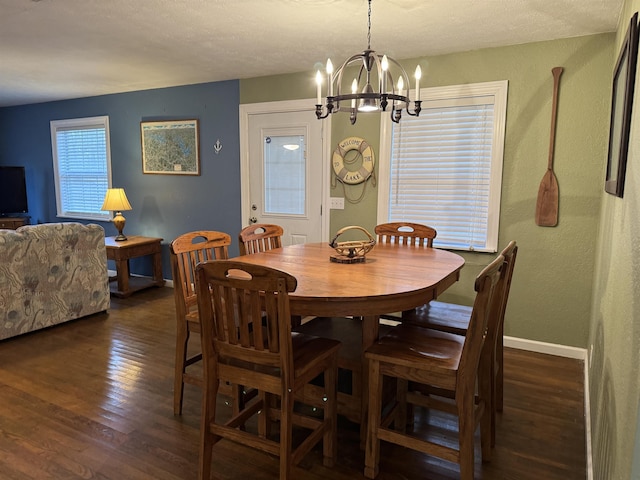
(82, 166)
(445, 167)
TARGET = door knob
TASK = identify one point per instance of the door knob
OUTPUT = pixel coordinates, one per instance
(253, 220)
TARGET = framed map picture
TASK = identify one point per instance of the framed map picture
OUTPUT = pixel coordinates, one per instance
(170, 147)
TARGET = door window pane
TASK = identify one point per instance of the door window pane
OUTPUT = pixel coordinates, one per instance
(284, 174)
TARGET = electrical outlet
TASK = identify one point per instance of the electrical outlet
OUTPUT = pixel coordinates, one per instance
(337, 203)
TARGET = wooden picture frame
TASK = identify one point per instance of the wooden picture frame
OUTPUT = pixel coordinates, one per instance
(170, 147)
(624, 78)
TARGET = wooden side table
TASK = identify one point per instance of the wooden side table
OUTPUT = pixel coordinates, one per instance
(121, 252)
(12, 223)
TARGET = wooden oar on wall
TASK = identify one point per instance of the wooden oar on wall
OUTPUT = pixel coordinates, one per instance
(547, 204)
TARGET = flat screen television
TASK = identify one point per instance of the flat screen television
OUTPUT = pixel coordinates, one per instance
(13, 191)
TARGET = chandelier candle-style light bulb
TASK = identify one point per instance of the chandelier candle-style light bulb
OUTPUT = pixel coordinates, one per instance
(330, 76)
(385, 66)
(375, 81)
(400, 88)
(319, 89)
(354, 89)
(418, 76)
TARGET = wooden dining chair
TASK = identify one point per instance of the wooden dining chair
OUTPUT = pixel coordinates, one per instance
(271, 359)
(260, 237)
(186, 252)
(443, 362)
(453, 318)
(406, 234)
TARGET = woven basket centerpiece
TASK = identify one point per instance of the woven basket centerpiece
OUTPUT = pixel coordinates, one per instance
(352, 251)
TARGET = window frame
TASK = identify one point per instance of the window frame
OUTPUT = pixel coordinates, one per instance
(81, 124)
(497, 89)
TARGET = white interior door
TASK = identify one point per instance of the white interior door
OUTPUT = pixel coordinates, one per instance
(283, 179)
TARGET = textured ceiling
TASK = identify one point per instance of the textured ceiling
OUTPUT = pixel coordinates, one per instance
(60, 49)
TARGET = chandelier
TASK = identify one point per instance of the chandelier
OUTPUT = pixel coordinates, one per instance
(367, 67)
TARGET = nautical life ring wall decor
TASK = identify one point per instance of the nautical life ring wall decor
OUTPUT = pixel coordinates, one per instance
(364, 151)
(342, 159)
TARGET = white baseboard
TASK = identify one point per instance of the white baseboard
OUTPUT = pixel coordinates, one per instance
(569, 352)
(587, 421)
(544, 347)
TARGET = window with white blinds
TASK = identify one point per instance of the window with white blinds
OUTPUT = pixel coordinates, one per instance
(82, 166)
(444, 168)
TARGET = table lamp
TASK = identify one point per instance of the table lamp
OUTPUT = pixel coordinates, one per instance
(116, 201)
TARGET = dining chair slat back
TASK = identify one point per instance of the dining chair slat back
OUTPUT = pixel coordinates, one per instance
(260, 237)
(406, 233)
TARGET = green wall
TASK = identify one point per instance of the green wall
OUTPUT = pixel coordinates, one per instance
(614, 344)
(551, 294)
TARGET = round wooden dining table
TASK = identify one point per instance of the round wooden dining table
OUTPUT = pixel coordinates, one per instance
(393, 278)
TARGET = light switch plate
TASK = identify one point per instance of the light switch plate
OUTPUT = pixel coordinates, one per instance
(337, 203)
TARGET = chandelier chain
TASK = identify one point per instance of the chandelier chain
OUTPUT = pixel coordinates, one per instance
(369, 28)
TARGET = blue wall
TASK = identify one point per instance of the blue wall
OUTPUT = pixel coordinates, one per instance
(163, 205)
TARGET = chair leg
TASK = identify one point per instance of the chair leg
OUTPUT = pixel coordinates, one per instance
(372, 449)
(182, 339)
(330, 440)
(401, 420)
(485, 435)
(207, 439)
(486, 383)
(466, 428)
(487, 391)
(493, 407)
(500, 369)
(286, 433)
(238, 398)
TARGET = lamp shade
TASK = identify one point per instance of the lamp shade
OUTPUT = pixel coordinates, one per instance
(116, 200)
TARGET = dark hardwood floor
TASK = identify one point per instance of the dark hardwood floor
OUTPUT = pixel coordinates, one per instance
(92, 399)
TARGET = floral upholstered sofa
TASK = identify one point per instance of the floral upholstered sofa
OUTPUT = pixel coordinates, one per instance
(49, 274)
